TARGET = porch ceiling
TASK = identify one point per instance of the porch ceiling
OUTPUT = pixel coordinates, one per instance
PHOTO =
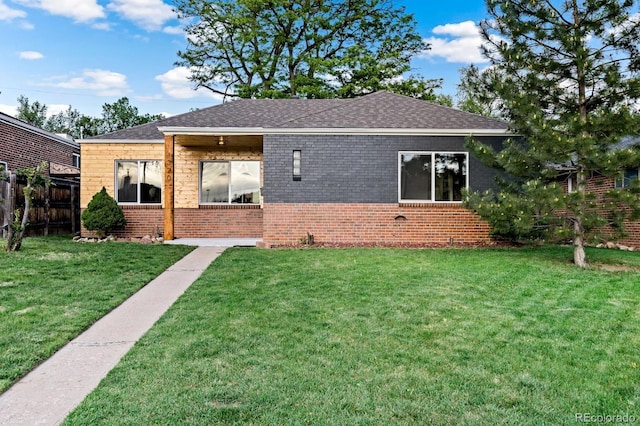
(253, 142)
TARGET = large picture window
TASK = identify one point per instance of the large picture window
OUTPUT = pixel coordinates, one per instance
(230, 182)
(432, 176)
(139, 181)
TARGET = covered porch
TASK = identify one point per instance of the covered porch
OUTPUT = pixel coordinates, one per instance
(198, 163)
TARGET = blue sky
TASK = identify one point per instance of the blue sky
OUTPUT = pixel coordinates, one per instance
(85, 53)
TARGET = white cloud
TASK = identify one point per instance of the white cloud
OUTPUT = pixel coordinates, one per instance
(104, 26)
(176, 30)
(80, 11)
(102, 82)
(462, 29)
(149, 14)
(53, 109)
(460, 43)
(31, 55)
(8, 14)
(176, 84)
(11, 110)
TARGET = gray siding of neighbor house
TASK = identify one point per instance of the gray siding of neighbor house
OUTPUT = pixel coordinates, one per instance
(353, 169)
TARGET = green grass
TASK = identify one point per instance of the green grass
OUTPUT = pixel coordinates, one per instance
(54, 288)
(386, 336)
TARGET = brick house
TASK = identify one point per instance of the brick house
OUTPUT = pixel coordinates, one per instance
(381, 169)
(23, 145)
(55, 210)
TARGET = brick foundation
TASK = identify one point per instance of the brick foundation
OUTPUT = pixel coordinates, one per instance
(141, 221)
(218, 222)
(373, 224)
(203, 222)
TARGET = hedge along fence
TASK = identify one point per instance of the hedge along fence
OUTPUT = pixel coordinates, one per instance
(55, 208)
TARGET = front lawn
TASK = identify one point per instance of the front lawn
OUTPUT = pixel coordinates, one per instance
(386, 336)
(54, 288)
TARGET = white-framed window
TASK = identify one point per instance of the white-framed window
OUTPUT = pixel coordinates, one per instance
(572, 183)
(626, 177)
(4, 166)
(425, 176)
(139, 181)
(229, 182)
(76, 160)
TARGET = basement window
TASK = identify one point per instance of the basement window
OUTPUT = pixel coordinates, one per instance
(139, 181)
(425, 177)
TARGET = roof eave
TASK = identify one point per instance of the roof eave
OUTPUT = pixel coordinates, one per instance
(231, 131)
(92, 141)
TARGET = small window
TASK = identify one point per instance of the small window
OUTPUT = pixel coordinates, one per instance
(297, 161)
(76, 160)
(230, 182)
(572, 184)
(3, 166)
(432, 176)
(139, 181)
(626, 177)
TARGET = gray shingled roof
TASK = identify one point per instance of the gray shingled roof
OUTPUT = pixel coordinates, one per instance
(379, 110)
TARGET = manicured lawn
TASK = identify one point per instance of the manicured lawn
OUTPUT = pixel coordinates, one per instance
(385, 336)
(54, 288)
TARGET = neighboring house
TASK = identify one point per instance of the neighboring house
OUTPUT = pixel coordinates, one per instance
(382, 169)
(23, 145)
(56, 210)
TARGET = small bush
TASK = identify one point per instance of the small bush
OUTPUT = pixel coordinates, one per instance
(103, 214)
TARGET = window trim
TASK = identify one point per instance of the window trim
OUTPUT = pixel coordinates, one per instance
(138, 194)
(433, 177)
(229, 203)
(296, 165)
(75, 159)
(619, 182)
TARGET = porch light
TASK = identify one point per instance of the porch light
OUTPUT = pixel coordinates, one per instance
(221, 141)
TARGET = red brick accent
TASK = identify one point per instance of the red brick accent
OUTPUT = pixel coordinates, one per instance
(141, 221)
(377, 224)
(219, 222)
(601, 185)
(203, 222)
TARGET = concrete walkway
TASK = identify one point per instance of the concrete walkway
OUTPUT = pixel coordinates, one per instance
(51, 391)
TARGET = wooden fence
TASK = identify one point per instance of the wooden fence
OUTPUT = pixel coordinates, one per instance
(55, 208)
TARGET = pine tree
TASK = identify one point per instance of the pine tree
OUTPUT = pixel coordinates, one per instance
(566, 74)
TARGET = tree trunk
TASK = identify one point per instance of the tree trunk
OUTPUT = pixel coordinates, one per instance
(579, 256)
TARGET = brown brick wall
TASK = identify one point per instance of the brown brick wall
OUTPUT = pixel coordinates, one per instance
(599, 186)
(204, 222)
(141, 221)
(22, 148)
(376, 224)
(218, 222)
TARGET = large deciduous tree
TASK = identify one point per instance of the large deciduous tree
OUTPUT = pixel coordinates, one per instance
(566, 76)
(122, 115)
(33, 113)
(303, 48)
(116, 116)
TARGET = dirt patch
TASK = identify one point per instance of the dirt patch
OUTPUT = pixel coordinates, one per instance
(616, 268)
